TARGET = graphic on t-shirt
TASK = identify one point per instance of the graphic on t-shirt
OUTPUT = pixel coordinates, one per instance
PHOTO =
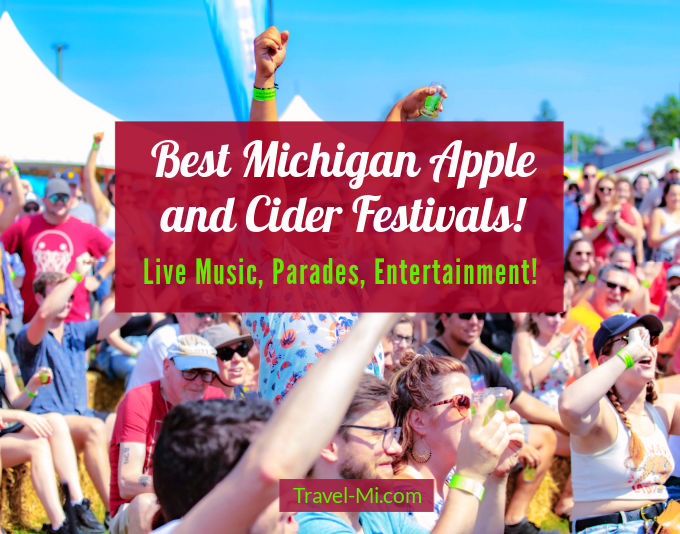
(652, 472)
(52, 252)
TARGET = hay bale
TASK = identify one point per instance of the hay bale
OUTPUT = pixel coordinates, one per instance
(102, 394)
(20, 504)
(544, 500)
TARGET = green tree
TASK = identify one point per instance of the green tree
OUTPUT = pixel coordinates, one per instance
(584, 142)
(664, 121)
(629, 144)
(546, 112)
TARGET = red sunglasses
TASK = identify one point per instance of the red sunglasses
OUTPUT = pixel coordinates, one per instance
(459, 402)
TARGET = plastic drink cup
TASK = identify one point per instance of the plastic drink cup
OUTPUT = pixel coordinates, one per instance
(502, 396)
(44, 378)
(529, 474)
(431, 105)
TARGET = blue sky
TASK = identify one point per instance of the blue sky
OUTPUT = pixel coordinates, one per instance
(599, 63)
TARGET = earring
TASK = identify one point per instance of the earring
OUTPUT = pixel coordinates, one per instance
(420, 457)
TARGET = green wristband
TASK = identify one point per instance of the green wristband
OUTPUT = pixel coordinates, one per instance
(645, 283)
(264, 94)
(31, 395)
(591, 278)
(12, 275)
(14, 170)
(600, 226)
(555, 354)
(95, 146)
(627, 358)
(77, 276)
(468, 485)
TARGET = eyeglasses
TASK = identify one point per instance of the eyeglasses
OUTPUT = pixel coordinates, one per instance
(213, 316)
(612, 285)
(402, 340)
(191, 374)
(59, 196)
(227, 353)
(459, 402)
(31, 209)
(605, 189)
(390, 435)
(553, 314)
(584, 253)
(467, 316)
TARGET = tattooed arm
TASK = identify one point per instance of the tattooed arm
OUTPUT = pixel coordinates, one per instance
(131, 478)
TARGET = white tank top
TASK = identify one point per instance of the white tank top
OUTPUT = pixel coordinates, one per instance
(669, 226)
(109, 226)
(611, 475)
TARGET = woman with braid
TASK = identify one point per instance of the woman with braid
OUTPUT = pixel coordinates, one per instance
(619, 429)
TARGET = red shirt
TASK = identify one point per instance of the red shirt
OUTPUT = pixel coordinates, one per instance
(138, 420)
(609, 237)
(47, 247)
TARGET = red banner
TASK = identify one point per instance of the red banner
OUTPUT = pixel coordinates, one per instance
(339, 216)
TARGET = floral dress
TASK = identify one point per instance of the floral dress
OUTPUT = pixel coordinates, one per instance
(550, 388)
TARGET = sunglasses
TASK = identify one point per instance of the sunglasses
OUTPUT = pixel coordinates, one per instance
(653, 340)
(588, 176)
(673, 287)
(213, 316)
(612, 285)
(605, 189)
(467, 316)
(459, 402)
(583, 253)
(31, 209)
(553, 314)
(59, 196)
(190, 375)
(227, 353)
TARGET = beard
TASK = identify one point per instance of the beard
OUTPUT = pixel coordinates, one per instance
(356, 469)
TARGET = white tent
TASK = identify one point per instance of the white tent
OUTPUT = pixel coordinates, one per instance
(299, 110)
(43, 121)
(657, 162)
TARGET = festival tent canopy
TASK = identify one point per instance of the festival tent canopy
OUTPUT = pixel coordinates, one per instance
(299, 110)
(657, 161)
(44, 122)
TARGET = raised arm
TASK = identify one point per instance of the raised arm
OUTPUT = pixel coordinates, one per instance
(56, 300)
(290, 442)
(581, 404)
(93, 193)
(12, 208)
(270, 51)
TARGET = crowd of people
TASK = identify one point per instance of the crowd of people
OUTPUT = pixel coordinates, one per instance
(219, 407)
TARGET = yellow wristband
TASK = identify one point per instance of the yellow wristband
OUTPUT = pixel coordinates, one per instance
(77, 276)
(627, 358)
(468, 485)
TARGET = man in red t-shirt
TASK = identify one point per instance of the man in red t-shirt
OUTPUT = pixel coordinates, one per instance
(51, 241)
(187, 372)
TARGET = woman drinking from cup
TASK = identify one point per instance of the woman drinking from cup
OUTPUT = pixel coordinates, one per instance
(432, 405)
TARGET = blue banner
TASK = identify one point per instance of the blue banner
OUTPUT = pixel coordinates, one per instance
(234, 25)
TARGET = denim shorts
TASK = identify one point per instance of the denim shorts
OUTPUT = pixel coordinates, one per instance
(631, 527)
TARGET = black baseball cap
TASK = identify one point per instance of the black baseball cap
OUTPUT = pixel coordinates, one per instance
(622, 322)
